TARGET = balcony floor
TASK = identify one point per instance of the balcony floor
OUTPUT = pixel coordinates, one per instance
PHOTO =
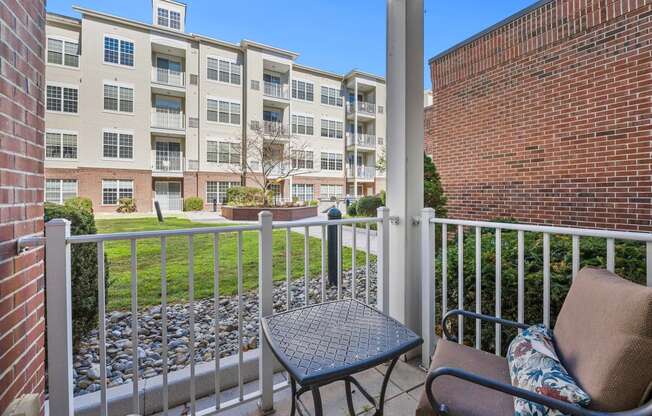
(401, 398)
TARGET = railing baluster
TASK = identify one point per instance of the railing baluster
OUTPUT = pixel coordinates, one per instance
(240, 290)
(191, 322)
(367, 264)
(648, 261)
(428, 278)
(444, 269)
(265, 308)
(478, 286)
(499, 289)
(521, 276)
(339, 262)
(134, 327)
(611, 254)
(101, 302)
(306, 264)
(164, 321)
(576, 255)
(288, 266)
(323, 263)
(460, 282)
(216, 312)
(546, 279)
(353, 263)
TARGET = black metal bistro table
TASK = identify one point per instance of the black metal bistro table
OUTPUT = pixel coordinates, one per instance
(328, 342)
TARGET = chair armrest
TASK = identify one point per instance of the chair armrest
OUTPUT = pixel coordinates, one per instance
(565, 407)
(474, 315)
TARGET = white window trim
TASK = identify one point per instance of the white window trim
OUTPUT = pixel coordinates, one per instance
(60, 180)
(62, 85)
(333, 88)
(210, 201)
(314, 85)
(218, 99)
(218, 141)
(61, 132)
(232, 61)
(169, 19)
(124, 85)
(63, 39)
(328, 152)
(337, 121)
(133, 191)
(119, 65)
(118, 131)
(314, 121)
(304, 151)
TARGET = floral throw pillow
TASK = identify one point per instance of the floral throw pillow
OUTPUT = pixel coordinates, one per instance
(534, 366)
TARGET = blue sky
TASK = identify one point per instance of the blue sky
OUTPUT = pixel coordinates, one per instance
(336, 35)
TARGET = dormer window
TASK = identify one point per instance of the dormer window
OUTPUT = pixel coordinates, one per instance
(175, 20)
(169, 18)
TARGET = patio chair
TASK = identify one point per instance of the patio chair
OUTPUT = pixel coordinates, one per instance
(603, 337)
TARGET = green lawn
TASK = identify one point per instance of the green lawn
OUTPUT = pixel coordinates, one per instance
(149, 261)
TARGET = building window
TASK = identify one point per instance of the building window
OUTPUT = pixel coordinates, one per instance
(331, 128)
(224, 71)
(331, 191)
(59, 191)
(118, 145)
(114, 190)
(63, 52)
(62, 99)
(303, 192)
(302, 90)
(118, 51)
(223, 152)
(217, 191)
(331, 161)
(175, 20)
(303, 125)
(118, 98)
(331, 96)
(163, 17)
(302, 159)
(223, 112)
(60, 145)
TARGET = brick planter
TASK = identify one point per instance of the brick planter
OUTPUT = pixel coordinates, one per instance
(278, 214)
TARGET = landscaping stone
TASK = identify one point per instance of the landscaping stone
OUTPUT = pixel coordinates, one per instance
(119, 346)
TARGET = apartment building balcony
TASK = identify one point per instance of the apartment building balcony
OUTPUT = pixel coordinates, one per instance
(167, 77)
(275, 130)
(362, 173)
(167, 163)
(363, 109)
(364, 141)
(272, 89)
(168, 119)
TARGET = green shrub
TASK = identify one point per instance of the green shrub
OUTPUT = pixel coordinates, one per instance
(352, 209)
(368, 206)
(433, 191)
(80, 202)
(126, 205)
(630, 264)
(313, 203)
(243, 196)
(194, 203)
(383, 197)
(83, 267)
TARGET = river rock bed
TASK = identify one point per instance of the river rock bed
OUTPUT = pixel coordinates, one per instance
(119, 346)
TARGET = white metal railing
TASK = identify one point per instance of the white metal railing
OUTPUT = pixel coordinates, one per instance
(276, 90)
(428, 278)
(275, 128)
(366, 107)
(167, 118)
(362, 172)
(59, 313)
(167, 76)
(364, 139)
(167, 161)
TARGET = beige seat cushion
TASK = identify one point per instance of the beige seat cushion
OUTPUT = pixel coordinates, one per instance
(604, 339)
(464, 398)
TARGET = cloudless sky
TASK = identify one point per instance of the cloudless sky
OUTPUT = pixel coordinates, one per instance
(335, 35)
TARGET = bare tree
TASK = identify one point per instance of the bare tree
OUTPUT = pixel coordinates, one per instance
(272, 155)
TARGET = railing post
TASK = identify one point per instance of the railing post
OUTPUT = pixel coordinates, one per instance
(59, 316)
(382, 258)
(266, 298)
(428, 319)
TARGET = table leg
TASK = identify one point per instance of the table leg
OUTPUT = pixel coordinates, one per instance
(293, 386)
(383, 390)
(349, 398)
(316, 397)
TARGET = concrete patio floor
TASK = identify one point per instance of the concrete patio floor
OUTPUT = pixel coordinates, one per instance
(403, 392)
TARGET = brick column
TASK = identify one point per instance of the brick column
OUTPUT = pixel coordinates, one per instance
(22, 313)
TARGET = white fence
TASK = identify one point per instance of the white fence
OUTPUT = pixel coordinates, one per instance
(165, 118)
(430, 319)
(58, 260)
(273, 89)
(168, 77)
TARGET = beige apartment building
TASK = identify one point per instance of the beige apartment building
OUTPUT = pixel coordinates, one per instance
(153, 112)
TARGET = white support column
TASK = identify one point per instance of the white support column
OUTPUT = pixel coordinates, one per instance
(59, 316)
(428, 314)
(265, 297)
(405, 155)
(355, 138)
(382, 259)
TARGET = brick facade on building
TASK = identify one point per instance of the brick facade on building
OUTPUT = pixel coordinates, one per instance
(547, 118)
(22, 313)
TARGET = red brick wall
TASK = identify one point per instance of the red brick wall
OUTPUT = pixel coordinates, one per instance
(22, 320)
(548, 118)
